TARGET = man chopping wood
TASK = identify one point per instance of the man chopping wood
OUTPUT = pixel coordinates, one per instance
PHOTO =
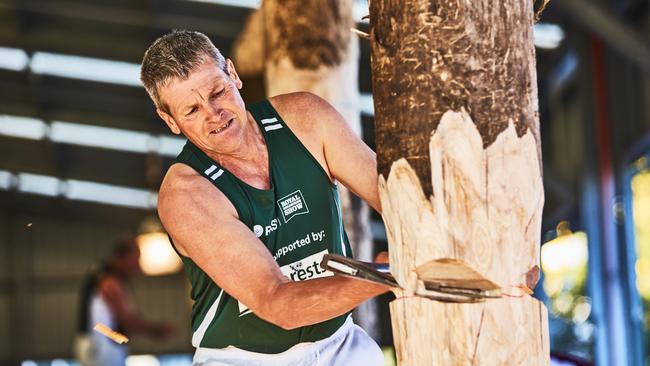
(251, 206)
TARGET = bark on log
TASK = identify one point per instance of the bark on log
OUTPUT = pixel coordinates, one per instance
(429, 57)
(308, 46)
(457, 138)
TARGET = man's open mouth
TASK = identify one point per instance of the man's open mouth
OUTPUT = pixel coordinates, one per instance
(223, 127)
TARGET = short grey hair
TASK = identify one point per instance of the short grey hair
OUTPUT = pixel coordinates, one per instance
(175, 55)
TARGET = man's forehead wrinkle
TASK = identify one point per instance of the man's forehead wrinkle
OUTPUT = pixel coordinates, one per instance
(188, 100)
(200, 81)
(198, 93)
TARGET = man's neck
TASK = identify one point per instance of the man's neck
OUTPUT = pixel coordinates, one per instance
(251, 163)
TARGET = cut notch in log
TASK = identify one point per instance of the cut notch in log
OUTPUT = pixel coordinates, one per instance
(484, 202)
(485, 210)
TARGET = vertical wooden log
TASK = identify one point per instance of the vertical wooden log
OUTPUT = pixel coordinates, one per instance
(249, 49)
(457, 137)
(308, 46)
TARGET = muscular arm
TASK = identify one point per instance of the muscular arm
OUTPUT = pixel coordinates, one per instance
(205, 227)
(349, 159)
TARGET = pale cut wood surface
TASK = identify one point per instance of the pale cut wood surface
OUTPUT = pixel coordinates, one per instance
(485, 210)
(508, 331)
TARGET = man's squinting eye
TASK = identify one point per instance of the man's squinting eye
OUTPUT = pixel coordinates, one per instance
(219, 93)
(191, 111)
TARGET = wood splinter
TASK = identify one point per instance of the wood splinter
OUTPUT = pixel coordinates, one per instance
(360, 33)
(116, 337)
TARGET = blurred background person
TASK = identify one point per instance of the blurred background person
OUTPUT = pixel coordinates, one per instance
(106, 298)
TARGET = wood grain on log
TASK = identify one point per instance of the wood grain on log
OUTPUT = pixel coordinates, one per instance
(505, 331)
(485, 210)
(429, 57)
(311, 33)
(457, 136)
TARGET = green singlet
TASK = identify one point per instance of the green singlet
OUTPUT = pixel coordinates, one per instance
(298, 219)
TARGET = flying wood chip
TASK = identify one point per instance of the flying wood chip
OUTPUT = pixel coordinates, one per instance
(525, 289)
(118, 338)
(453, 273)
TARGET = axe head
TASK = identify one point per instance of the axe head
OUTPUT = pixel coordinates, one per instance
(442, 279)
(455, 277)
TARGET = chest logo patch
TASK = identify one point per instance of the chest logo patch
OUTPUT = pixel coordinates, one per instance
(292, 205)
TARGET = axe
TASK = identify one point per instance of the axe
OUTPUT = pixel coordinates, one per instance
(444, 279)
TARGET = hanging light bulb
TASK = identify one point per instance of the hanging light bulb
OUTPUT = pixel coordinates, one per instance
(157, 257)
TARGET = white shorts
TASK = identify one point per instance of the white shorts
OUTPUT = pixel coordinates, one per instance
(349, 345)
(97, 350)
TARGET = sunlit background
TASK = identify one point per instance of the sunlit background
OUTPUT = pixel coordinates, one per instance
(641, 215)
(82, 154)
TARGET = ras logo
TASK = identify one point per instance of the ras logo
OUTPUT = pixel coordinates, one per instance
(258, 230)
(292, 205)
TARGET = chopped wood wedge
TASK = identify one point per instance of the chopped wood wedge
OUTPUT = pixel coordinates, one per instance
(457, 277)
(525, 289)
(117, 337)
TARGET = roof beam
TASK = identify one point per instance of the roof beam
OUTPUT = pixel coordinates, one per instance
(93, 12)
(83, 163)
(108, 31)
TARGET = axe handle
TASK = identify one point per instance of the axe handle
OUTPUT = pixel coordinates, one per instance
(361, 270)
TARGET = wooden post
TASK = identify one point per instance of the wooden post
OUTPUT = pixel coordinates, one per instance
(457, 137)
(308, 46)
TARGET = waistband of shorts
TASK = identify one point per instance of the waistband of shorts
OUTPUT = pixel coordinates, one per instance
(202, 353)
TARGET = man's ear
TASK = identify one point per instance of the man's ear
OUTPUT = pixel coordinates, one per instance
(169, 120)
(233, 74)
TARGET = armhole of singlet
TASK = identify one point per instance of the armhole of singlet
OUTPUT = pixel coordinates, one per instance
(190, 151)
(240, 213)
(171, 241)
(298, 142)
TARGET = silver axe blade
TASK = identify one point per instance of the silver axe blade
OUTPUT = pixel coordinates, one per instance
(444, 279)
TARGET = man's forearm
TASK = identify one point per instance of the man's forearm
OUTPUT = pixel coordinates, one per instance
(295, 304)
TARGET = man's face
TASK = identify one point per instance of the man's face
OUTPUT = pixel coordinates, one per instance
(207, 108)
